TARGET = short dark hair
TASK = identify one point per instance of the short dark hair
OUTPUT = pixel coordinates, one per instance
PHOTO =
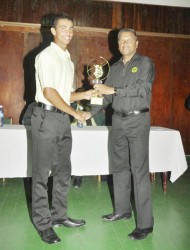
(126, 30)
(57, 17)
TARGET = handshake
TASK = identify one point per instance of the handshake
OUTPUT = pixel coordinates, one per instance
(82, 116)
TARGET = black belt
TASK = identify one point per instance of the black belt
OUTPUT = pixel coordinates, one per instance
(49, 108)
(135, 112)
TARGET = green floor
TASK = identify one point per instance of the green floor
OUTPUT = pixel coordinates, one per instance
(171, 214)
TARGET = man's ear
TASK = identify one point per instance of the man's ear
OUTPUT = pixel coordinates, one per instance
(53, 31)
(137, 43)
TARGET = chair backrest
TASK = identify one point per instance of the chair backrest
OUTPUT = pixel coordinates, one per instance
(8, 120)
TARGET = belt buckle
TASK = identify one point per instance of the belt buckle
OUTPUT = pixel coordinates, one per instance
(130, 113)
(136, 112)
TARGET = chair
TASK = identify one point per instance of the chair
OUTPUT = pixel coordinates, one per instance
(164, 180)
(8, 120)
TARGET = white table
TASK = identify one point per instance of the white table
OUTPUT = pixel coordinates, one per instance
(90, 151)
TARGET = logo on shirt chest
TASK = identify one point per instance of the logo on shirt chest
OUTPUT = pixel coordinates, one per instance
(134, 69)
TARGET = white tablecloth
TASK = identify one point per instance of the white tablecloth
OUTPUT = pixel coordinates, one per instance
(90, 151)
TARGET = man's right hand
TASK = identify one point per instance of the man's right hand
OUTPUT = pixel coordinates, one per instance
(80, 116)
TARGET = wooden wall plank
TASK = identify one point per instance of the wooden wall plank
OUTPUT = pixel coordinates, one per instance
(117, 16)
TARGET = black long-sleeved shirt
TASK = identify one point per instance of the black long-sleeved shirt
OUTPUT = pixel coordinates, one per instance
(133, 81)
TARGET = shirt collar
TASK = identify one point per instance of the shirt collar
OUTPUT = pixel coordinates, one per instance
(59, 50)
(136, 55)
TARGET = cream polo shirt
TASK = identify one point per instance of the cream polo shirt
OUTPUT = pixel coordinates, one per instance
(54, 69)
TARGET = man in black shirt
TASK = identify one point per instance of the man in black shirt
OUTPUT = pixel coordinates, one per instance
(128, 88)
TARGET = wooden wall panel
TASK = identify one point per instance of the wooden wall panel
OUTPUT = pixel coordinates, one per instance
(160, 51)
(87, 48)
(129, 16)
(11, 73)
(117, 21)
(161, 19)
(87, 13)
(84, 12)
(181, 89)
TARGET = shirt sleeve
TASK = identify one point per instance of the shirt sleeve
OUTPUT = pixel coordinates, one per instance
(44, 70)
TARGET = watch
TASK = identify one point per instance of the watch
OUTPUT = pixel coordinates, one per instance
(115, 89)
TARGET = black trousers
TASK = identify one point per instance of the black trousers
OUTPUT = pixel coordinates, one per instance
(52, 142)
(130, 157)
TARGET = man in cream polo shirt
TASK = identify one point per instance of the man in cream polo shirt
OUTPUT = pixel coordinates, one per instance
(54, 73)
(51, 132)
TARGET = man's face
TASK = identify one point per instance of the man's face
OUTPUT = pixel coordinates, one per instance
(63, 32)
(128, 43)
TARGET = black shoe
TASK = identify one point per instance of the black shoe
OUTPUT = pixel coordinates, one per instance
(140, 234)
(49, 236)
(77, 182)
(69, 223)
(114, 217)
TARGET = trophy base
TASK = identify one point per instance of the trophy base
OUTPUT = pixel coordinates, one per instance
(96, 100)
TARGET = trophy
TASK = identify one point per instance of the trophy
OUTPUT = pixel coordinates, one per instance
(98, 70)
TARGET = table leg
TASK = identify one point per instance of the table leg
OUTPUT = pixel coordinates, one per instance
(152, 177)
(164, 183)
